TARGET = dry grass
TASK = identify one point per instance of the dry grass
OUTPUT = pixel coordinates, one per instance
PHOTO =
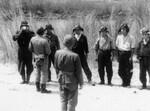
(91, 15)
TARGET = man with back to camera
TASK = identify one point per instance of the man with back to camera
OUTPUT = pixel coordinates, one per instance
(39, 46)
(54, 46)
(68, 69)
(23, 37)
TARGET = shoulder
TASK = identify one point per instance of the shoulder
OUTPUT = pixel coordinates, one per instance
(83, 36)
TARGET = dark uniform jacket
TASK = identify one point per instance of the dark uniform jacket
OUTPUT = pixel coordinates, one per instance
(81, 46)
(23, 38)
(68, 68)
(143, 49)
(54, 42)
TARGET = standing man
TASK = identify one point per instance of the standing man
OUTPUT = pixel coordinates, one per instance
(125, 45)
(54, 46)
(39, 46)
(23, 37)
(81, 48)
(68, 68)
(103, 48)
(143, 54)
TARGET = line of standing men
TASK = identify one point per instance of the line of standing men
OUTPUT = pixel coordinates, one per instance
(43, 47)
(125, 44)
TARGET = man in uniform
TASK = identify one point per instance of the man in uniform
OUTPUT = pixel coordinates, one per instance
(54, 46)
(125, 45)
(81, 48)
(39, 46)
(103, 48)
(143, 54)
(68, 68)
(23, 37)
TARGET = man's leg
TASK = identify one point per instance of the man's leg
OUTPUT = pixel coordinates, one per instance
(109, 71)
(121, 69)
(72, 100)
(44, 78)
(21, 70)
(143, 73)
(101, 70)
(49, 66)
(86, 68)
(37, 78)
(29, 69)
(64, 98)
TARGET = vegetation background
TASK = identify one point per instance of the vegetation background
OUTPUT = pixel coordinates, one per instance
(64, 14)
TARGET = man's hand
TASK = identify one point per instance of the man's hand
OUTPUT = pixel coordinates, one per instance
(86, 55)
(81, 86)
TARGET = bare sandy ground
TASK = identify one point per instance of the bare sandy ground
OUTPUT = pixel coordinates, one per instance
(17, 97)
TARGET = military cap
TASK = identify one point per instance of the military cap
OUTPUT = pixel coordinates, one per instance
(144, 30)
(24, 23)
(68, 40)
(124, 26)
(78, 27)
(49, 26)
(103, 29)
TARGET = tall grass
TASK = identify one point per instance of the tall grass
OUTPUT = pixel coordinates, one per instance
(91, 15)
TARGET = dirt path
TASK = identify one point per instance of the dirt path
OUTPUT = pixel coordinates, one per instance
(17, 97)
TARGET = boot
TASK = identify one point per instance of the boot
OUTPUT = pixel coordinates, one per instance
(37, 86)
(43, 89)
(28, 79)
(23, 79)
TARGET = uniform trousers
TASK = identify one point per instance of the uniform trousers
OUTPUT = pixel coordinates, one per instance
(104, 61)
(125, 67)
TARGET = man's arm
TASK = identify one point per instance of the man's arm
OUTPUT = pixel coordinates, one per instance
(86, 48)
(57, 43)
(78, 71)
(16, 36)
(47, 48)
(30, 46)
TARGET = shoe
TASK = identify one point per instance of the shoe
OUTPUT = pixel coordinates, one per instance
(102, 83)
(109, 83)
(91, 83)
(144, 86)
(23, 82)
(38, 89)
(43, 89)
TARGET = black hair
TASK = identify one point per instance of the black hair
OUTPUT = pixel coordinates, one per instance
(40, 31)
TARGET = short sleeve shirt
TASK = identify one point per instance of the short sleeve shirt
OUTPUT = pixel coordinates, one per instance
(125, 43)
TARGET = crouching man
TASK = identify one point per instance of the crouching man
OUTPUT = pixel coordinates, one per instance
(68, 68)
(39, 46)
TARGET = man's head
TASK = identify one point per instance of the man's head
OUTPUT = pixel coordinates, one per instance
(78, 30)
(24, 26)
(144, 31)
(103, 31)
(69, 41)
(124, 28)
(49, 29)
(40, 31)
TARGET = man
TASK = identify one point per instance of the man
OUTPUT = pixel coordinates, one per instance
(39, 46)
(54, 46)
(103, 48)
(143, 54)
(24, 55)
(81, 48)
(125, 46)
(68, 68)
